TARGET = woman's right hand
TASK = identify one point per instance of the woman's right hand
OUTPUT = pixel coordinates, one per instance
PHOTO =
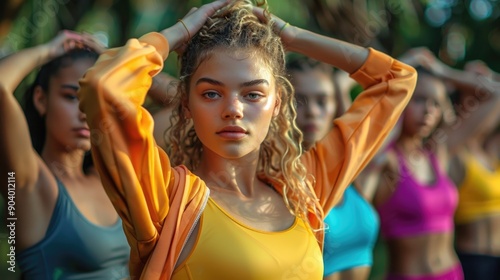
(67, 40)
(422, 56)
(190, 24)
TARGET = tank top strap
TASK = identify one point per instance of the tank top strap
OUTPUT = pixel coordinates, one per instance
(344, 198)
(353, 196)
(435, 164)
(480, 165)
(354, 191)
(403, 167)
(61, 188)
(59, 209)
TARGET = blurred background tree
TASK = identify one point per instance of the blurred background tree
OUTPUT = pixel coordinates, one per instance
(455, 30)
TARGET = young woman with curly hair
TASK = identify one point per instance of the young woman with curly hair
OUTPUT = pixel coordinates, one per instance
(236, 198)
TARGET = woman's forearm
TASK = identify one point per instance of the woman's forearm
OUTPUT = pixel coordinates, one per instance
(343, 55)
(15, 67)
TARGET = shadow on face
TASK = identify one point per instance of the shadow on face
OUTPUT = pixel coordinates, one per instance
(424, 112)
(315, 99)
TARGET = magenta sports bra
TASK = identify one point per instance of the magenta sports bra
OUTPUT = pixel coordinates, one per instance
(415, 208)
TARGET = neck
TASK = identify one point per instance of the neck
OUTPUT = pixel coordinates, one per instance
(477, 141)
(475, 146)
(63, 163)
(229, 175)
(307, 145)
(410, 143)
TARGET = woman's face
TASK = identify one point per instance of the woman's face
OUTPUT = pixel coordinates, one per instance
(425, 109)
(66, 125)
(232, 100)
(315, 96)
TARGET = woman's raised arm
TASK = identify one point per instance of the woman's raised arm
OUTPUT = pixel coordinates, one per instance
(15, 145)
(358, 134)
(149, 194)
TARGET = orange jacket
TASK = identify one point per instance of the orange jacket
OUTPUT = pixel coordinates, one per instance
(158, 203)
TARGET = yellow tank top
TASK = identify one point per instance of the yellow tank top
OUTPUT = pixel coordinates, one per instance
(227, 249)
(479, 194)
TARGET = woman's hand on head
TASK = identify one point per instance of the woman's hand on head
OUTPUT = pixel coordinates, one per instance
(67, 40)
(190, 24)
(423, 57)
(480, 68)
(92, 43)
(282, 28)
(415, 57)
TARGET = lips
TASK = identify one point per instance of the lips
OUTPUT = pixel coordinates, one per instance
(232, 132)
(426, 122)
(309, 128)
(83, 132)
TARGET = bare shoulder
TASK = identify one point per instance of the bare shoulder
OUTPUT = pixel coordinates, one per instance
(456, 167)
(445, 157)
(389, 177)
(34, 207)
(42, 188)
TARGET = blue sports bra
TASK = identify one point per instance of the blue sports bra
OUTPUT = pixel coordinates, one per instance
(352, 229)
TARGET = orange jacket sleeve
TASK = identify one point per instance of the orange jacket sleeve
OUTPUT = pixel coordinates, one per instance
(156, 202)
(356, 136)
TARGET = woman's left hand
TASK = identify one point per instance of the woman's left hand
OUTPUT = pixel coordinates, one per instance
(480, 68)
(283, 29)
(91, 42)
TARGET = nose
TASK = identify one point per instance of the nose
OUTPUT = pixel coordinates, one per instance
(312, 109)
(429, 107)
(233, 108)
(82, 116)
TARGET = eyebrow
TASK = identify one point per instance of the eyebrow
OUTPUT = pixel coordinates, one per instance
(314, 94)
(254, 83)
(210, 81)
(245, 84)
(73, 87)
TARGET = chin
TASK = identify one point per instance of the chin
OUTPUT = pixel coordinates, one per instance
(233, 153)
(309, 139)
(424, 134)
(82, 145)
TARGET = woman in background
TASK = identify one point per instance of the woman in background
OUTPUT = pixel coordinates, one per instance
(351, 227)
(416, 198)
(66, 226)
(476, 170)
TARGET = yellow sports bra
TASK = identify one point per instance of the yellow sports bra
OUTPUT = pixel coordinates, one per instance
(479, 194)
(227, 249)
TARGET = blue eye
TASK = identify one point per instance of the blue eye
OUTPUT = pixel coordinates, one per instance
(254, 96)
(211, 95)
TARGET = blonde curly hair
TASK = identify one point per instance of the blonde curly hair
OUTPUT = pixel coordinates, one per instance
(235, 27)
